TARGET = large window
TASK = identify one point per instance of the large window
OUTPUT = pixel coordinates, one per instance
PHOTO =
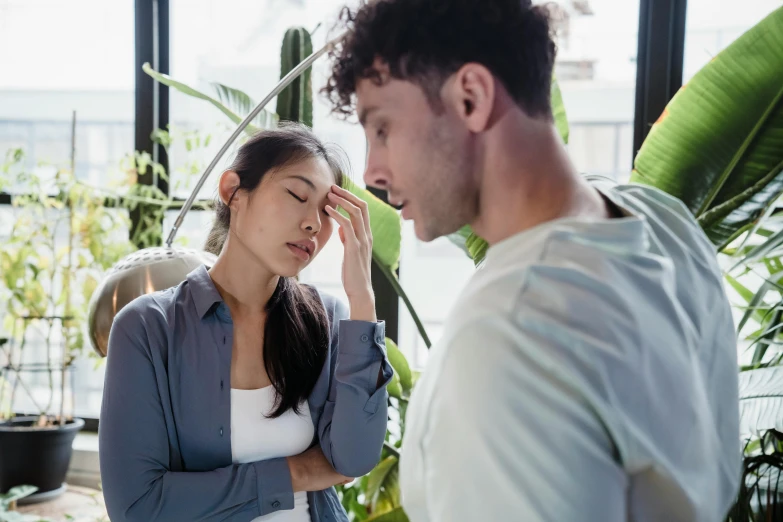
(711, 25)
(596, 70)
(63, 57)
(58, 58)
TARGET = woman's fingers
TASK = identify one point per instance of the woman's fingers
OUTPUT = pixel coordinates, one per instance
(360, 203)
(356, 214)
(347, 227)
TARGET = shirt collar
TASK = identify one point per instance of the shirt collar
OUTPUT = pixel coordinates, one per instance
(203, 290)
(625, 235)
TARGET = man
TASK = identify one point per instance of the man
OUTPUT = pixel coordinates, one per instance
(588, 370)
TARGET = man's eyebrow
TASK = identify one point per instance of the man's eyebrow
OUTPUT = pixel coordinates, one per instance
(364, 113)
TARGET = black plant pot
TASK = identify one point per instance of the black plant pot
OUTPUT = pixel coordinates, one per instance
(35, 456)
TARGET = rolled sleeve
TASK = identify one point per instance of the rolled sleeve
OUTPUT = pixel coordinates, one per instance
(352, 428)
(275, 491)
(362, 357)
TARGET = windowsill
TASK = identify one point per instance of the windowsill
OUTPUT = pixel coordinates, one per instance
(85, 467)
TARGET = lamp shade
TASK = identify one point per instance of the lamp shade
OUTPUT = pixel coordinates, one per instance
(142, 272)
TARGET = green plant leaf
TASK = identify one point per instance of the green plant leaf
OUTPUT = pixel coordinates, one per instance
(768, 337)
(756, 308)
(395, 515)
(764, 249)
(400, 365)
(718, 146)
(741, 289)
(460, 237)
(558, 111)
(16, 493)
(394, 388)
(241, 103)
(378, 476)
(385, 224)
(165, 79)
(761, 400)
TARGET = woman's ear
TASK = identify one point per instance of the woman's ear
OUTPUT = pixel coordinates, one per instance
(228, 186)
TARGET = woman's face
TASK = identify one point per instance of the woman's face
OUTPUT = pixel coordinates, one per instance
(282, 223)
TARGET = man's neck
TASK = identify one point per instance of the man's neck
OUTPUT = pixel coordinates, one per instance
(528, 180)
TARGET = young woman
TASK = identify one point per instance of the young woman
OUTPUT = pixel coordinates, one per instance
(242, 394)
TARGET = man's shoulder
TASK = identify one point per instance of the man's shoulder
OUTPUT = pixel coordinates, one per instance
(664, 214)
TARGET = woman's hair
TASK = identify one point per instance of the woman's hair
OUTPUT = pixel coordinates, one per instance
(296, 334)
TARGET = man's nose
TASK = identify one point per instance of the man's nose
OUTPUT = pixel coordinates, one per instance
(377, 173)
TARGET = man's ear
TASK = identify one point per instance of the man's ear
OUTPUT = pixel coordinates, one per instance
(472, 93)
(227, 187)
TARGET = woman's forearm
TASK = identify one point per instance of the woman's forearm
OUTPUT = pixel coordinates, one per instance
(310, 471)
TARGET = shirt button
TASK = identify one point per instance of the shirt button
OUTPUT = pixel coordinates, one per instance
(221, 432)
(221, 384)
(275, 504)
(364, 338)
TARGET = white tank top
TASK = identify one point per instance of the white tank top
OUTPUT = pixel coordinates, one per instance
(255, 437)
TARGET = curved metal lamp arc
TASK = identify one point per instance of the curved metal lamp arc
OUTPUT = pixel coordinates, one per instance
(157, 268)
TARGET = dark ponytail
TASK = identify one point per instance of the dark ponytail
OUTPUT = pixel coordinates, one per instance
(296, 334)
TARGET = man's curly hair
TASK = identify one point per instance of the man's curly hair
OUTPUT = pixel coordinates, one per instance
(425, 41)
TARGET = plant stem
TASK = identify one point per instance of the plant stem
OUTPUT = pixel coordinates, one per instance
(67, 278)
(400, 292)
(394, 451)
(18, 381)
(49, 368)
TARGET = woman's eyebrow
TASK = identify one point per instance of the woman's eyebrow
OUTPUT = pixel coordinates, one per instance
(307, 181)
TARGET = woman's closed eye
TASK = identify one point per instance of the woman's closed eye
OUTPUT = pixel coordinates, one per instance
(300, 200)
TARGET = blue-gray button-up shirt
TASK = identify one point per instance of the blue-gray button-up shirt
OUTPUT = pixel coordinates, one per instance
(165, 439)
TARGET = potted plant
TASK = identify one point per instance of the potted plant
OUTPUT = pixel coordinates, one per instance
(61, 237)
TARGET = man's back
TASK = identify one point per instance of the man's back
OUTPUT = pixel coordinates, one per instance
(588, 372)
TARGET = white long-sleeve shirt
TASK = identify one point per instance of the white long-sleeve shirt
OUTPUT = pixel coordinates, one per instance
(587, 372)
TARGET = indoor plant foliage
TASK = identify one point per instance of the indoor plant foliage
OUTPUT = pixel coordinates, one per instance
(60, 238)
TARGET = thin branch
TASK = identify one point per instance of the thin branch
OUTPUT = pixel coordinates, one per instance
(400, 292)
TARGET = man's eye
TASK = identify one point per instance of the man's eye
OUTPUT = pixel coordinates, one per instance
(300, 200)
(381, 133)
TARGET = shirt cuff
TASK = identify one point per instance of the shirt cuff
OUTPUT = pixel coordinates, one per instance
(361, 357)
(275, 491)
(358, 337)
